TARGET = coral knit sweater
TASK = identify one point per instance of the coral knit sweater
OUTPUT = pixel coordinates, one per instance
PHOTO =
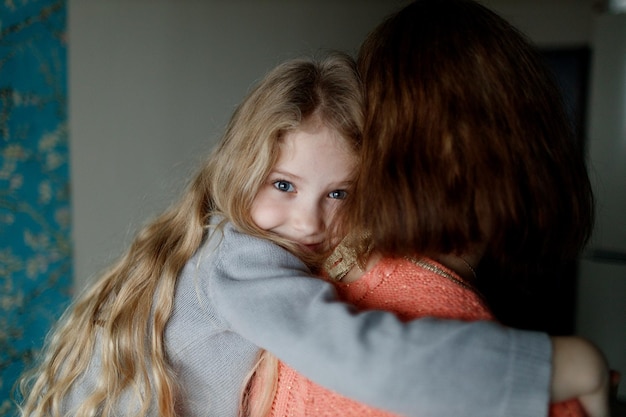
(411, 289)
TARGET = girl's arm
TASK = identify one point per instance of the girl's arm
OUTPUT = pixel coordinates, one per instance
(425, 367)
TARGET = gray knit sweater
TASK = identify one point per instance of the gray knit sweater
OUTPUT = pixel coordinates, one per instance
(239, 293)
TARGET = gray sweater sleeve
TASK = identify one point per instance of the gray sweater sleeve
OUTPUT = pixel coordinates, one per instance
(426, 367)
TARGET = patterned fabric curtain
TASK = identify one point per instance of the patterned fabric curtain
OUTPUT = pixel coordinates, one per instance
(35, 247)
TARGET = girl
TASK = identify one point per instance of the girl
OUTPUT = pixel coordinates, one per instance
(470, 175)
(175, 326)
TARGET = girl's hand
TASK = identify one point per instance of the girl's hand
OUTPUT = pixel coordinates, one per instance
(579, 370)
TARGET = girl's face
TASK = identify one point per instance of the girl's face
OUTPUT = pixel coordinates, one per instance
(303, 191)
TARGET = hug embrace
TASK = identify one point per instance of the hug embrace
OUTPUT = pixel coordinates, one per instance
(340, 251)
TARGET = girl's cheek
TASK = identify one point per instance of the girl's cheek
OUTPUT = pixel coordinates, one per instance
(334, 241)
(332, 235)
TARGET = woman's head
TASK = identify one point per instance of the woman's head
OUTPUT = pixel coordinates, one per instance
(300, 92)
(466, 141)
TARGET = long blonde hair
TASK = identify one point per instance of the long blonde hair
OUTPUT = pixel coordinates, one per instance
(127, 309)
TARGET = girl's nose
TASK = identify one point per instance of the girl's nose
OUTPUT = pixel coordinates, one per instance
(309, 219)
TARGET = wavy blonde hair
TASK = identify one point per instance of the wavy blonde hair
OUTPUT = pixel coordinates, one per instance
(127, 309)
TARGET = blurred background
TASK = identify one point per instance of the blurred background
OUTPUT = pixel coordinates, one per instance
(108, 106)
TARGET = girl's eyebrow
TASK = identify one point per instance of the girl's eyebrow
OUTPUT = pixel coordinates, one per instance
(289, 175)
(341, 184)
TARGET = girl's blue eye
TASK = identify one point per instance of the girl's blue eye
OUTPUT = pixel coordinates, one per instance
(338, 194)
(284, 186)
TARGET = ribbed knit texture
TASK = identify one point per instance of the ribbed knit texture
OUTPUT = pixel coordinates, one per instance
(410, 291)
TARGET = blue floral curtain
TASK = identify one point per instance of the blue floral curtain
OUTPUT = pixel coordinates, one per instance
(35, 247)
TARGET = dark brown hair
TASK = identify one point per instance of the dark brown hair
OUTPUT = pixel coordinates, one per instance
(466, 140)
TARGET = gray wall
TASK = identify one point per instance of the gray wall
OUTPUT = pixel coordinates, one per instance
(152, 84)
